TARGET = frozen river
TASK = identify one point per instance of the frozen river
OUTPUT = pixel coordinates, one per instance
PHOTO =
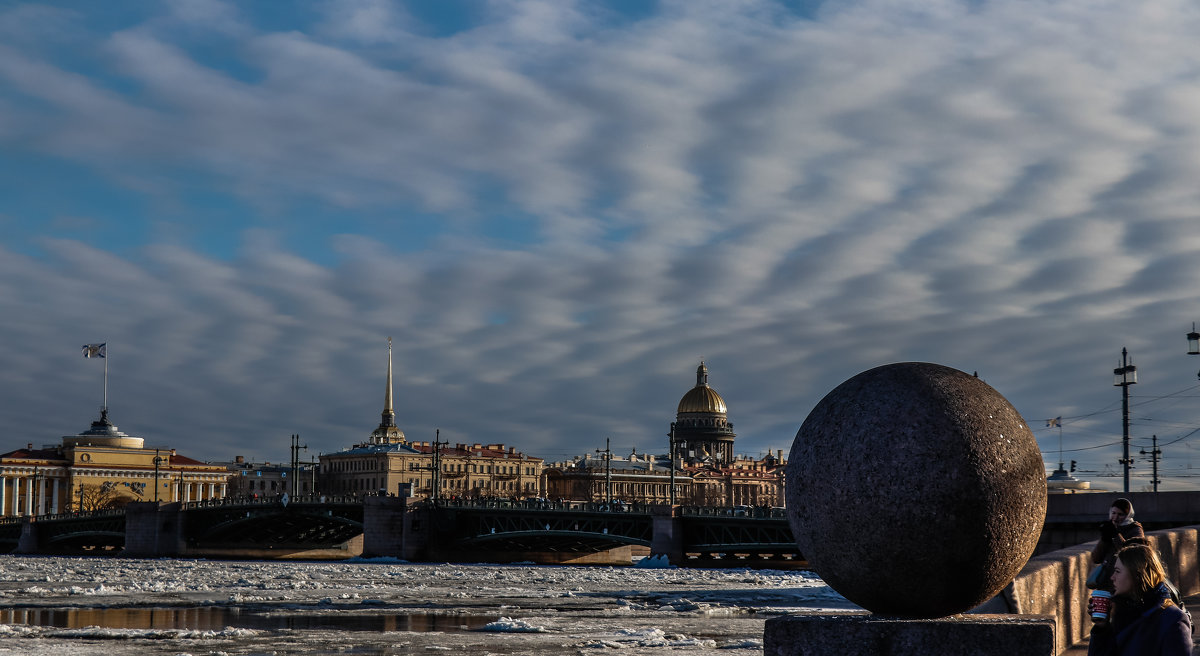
(115, 607)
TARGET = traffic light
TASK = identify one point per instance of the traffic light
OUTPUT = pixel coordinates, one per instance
(1072, 465)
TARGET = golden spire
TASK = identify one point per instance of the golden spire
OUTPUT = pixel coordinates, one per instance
(389, 413)
(388, 433)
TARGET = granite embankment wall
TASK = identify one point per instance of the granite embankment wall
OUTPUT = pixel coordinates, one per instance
(1054, 583)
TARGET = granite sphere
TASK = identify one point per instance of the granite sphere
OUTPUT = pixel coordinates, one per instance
(916, 490)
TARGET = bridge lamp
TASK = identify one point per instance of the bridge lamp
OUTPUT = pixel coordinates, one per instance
(1193, 339)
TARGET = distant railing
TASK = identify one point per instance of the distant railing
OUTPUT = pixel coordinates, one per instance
(339, 499)
(760, 512)
(542, 504)
(17, 519)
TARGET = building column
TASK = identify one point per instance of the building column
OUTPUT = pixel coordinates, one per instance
(41, 496)
(3, 496)
(212, 490)
(224, 490)
(28, 495)
(56, 492)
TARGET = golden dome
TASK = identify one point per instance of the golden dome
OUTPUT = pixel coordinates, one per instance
(702, 398)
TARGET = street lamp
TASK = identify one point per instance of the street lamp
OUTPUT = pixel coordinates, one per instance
(37, 501)
(157, 461)
(1124, 376)
(607, 469)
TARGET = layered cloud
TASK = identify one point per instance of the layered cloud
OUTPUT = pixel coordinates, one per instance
(557, 210)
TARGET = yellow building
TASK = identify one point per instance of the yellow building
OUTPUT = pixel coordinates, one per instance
(101, 468)
(388, 463)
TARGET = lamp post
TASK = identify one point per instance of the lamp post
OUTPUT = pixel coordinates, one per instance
(295, 448)
(607, 470)
(37, 500)
(1124, 376)
(671, 451)
(157, 462)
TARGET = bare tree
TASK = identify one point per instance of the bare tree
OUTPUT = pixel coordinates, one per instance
(98, 497)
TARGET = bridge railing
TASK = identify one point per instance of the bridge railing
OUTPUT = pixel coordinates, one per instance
(274, 501)
(760, 512)
(17, 519)
(543, 504)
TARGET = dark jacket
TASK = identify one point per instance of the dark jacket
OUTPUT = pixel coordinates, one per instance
(1105, 551)
(1106, 548)
(1155, 626)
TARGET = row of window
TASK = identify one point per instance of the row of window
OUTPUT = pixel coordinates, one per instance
(371, 484)
(371, 465)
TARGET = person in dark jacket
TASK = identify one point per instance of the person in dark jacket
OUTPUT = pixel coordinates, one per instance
(1143, 619)
(1115, 532)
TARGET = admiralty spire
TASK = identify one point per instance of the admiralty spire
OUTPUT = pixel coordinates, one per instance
(388, 433)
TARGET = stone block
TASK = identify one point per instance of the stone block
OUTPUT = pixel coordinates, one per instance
(873, 635)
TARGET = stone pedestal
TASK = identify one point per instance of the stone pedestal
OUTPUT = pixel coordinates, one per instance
(872, 635)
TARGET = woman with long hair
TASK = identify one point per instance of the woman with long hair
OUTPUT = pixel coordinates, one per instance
(1115, 532)
(1144, 618)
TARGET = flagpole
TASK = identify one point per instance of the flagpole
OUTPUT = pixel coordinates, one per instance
(1060, 459)
(105, 379)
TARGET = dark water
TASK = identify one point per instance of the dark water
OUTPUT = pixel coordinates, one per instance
(216, 618)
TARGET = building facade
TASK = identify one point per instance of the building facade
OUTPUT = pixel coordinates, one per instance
(101, 468)
(268, 481)
(635, 478)
(388, 463)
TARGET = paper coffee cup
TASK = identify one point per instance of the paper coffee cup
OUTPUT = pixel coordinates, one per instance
(1098, 604)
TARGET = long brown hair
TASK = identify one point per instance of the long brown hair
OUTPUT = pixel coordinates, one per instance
(1144, 566)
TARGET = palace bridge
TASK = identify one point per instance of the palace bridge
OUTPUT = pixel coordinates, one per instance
(331, 527)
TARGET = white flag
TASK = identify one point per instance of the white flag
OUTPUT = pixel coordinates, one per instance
(95, 350)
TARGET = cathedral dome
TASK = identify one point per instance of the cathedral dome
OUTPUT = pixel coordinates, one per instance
(702, 398)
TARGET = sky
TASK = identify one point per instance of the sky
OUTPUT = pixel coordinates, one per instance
(558, 209)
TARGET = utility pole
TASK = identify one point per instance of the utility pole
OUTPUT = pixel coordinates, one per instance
(671, 451)
(607, 470)
(1124, 376)
(295, 450)
(435, 466)
(1155, 455)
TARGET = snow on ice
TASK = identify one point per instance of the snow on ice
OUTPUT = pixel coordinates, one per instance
(477, 609)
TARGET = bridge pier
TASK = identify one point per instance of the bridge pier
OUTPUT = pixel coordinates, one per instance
(391, 530)
(666, 531)
(28, 542)
(153, 529)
